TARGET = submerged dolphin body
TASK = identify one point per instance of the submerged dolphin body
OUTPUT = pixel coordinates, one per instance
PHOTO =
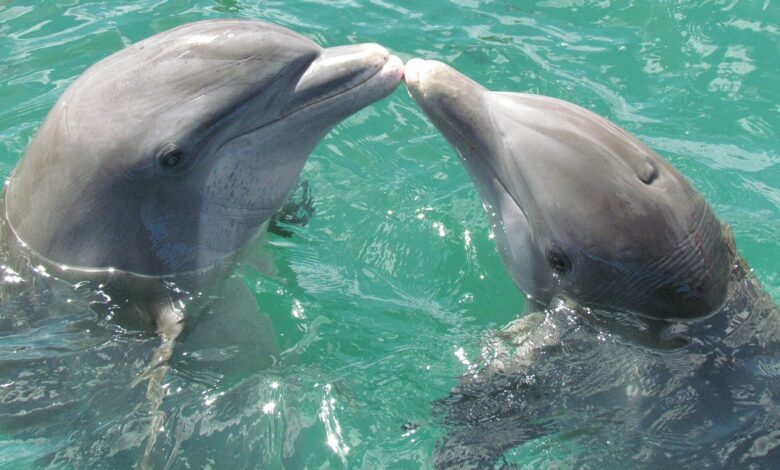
(161, 164)
(654, 324)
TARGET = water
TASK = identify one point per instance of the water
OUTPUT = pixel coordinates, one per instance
(385, 298)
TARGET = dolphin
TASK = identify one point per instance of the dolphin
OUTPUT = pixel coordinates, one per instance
(168, 156)
(159, 167)
(608, 240)
(164, 161)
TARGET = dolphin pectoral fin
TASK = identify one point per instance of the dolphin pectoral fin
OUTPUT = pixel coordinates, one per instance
(518, 331)
(456, 452)
(298, 209)
(465, 446)
(169, 327)
(262, 260)
(507, 400)
(230, 337)
(169, 321)
(474, 413)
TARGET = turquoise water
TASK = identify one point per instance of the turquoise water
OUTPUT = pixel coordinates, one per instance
(384, 299)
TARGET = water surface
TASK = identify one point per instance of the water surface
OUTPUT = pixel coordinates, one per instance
(383, 300)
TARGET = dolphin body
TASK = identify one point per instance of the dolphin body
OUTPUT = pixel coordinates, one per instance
(654, 343)
(160, 166)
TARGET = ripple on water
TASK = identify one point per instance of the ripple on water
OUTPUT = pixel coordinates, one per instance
(383, 301)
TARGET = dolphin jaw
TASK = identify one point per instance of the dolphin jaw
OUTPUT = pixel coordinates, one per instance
(380, 78)
(344, 70)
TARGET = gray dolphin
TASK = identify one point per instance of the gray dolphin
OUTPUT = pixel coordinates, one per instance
(168, 156)
(587, 215)
(162, 163)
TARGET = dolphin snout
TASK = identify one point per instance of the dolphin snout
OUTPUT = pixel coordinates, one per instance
(436, 81)
(453, 102)
(339, 69)
(416, 71)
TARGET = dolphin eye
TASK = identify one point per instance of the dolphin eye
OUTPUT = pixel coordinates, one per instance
(558, 262)
(171, 157)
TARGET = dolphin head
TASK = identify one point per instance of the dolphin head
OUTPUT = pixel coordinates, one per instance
(580, 207)
(170, 155)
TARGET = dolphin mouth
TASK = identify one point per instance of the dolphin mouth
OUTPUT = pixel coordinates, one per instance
(424, 91)
(381, 82)
(419, 77)
(378, 80)
(339, 70)
(376, 77)
(414, 84)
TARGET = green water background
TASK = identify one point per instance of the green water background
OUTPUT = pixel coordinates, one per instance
(387, 293)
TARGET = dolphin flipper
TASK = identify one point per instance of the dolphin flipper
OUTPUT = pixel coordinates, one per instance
(169, 320)
(230, 335)
(503, 400)
(505, 407)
